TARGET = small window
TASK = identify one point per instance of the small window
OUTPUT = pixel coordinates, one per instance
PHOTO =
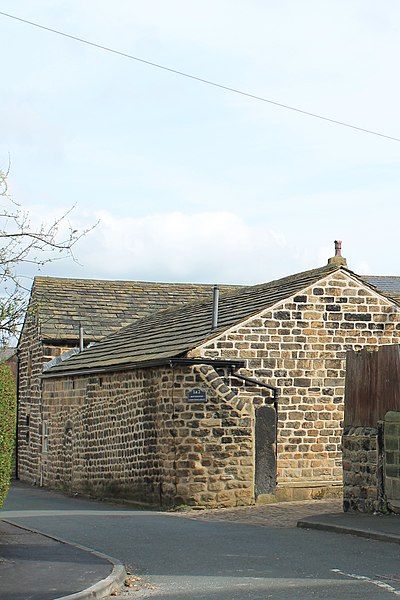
(45, 437)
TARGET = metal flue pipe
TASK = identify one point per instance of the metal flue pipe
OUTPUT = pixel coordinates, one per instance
(215, 307)
(80, 337)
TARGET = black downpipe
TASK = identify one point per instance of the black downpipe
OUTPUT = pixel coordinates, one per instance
(258, 383)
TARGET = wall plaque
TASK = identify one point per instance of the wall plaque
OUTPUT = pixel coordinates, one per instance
(196, 395)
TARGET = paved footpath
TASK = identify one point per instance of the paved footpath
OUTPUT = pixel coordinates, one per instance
(380, 527)
(182, 558)
(35, 567)
(283, 514)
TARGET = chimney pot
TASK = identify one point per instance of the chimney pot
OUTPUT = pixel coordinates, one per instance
(338, 259)
(338, 247)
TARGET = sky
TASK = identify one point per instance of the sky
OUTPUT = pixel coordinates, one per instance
(193, 183)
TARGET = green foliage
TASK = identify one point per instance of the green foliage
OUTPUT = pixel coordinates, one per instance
(8, 406)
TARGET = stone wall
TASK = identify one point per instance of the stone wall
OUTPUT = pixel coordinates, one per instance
(391, 472)
(360, 470)
(32, 355)
(300, 347)
(371, 466)
(30, 363)
(102, 434)
(135, 435)
(213, 444)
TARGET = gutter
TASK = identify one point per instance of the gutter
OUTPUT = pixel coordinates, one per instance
(71, 342)
(161, 362)
(253, 381)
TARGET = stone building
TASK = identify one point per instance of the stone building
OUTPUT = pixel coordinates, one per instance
(178, 408)
(58, 309)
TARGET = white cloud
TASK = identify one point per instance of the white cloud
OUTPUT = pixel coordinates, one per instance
(219, 246)
(207, 246)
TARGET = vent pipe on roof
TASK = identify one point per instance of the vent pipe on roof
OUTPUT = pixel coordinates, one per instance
(215, 307)
(80, 337)
(338, 259)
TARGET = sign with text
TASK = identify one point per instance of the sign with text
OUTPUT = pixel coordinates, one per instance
(196, 395)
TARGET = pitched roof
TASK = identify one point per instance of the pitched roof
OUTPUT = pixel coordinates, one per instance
(388, 285)
(171, 333)
(105, 306)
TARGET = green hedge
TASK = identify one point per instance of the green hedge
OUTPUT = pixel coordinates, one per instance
(8, 405)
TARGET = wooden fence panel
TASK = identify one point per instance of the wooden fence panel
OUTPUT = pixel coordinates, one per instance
(388, 380)
(361, 388)
(372, 385)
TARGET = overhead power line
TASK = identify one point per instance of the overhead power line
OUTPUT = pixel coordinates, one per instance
(200, 79)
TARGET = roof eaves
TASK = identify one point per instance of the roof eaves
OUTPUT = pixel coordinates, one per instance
(52, 373)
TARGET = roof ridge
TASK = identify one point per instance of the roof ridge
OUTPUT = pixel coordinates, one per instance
(132, 281)
(328, 268)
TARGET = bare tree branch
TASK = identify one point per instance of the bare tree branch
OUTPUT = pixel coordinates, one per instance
(22, 243)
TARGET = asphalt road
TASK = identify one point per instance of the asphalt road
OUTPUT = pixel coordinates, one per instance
(188, 559)
(35, 567)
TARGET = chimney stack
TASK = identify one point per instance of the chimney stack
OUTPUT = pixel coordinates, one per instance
(338, 259)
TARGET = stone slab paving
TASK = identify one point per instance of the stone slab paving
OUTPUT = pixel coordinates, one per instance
(282, 514)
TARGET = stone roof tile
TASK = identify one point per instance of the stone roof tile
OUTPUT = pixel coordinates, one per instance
(102, 306)
(171, 333)
(386, 284)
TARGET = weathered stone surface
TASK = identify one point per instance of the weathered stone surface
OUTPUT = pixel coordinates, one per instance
(307, 364)
(392, 417)
(360, 470)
